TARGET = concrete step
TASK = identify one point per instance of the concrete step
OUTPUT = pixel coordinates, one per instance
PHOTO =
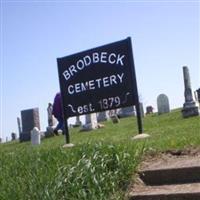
(166, 192)
(171, 175)
(179, 170)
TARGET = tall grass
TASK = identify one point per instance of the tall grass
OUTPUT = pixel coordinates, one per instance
(89, 171)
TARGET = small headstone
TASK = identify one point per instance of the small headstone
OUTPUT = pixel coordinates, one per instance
(113, 112)
(13, 136)
(195, 96)
(127, 111)
(115, 119)
(35, 136)
(50, 115)
(149, 110)
(189, 107)
(0, 140)
(198, 95)
(90, 122)
(19, 125)
(196, 99)
(49, 132)
(163, 104)
(51, 122)
(103, 116)
(30, 119)
(78, 122)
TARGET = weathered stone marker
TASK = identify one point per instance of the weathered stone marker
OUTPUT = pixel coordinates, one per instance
(13, 136)
(90, 122)
(189, 107)
(30, 119)
(149, 110)
(115, 119)
(35, 136)
(198, 95)
(19, 125)
(78, 121)
(50, 115)
(163, 104)
(127, 111)
(103, 116)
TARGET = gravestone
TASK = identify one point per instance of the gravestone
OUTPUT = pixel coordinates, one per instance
(163, 104)
(49, 131)
(127, 111)
(13, 136)
(149, 110)
(0, 140)
(196, 99)
(115, 119)
(35, 136)
(113, 112)
(198, 95)
(51, 122)
(19, 125)
(90, 122)
(103, 116)
(189, 107)
(30, 119)
(78, 121)
(50, 115)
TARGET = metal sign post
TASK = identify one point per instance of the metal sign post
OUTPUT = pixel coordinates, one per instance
(137, 103)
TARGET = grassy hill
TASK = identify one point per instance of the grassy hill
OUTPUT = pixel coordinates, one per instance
(101, 164)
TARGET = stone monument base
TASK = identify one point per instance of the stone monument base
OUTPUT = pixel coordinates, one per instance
(25, 136)
(68, 145)
(89, 127)
(189, 112)
(115, 119)
(141, 136)
(190, 109)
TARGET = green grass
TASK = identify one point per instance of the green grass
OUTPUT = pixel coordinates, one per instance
(99, 167)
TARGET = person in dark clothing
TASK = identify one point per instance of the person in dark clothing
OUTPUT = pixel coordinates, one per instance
(57, 112)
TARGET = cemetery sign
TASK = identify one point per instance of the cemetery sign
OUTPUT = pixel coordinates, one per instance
(98, 79)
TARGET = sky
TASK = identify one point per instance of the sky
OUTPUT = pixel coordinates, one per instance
(165, 37)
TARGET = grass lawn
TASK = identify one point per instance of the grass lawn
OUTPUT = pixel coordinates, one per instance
(99, 167)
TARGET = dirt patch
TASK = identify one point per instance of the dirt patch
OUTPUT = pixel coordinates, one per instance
(184, 152)
(170, 157)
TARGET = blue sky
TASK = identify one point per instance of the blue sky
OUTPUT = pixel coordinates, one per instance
(165, 37)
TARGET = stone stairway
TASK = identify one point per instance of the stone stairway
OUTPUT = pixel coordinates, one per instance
(170, 178)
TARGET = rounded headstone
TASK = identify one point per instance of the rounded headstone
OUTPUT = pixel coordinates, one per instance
(163, 104)
(35, 136)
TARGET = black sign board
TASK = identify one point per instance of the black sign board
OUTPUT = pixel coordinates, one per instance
(98, 79)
